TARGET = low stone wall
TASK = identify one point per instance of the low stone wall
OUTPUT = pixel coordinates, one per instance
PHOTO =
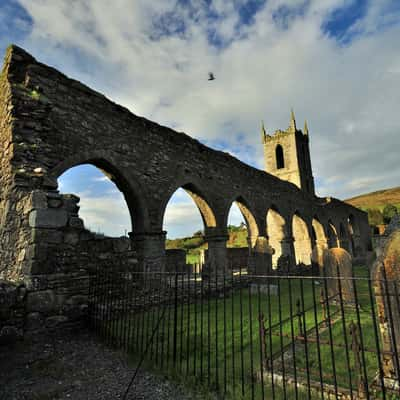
(12, 311)
(237, 257)
(176, 260)
(65, 255)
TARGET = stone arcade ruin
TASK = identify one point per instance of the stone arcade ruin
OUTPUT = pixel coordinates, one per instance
(50, 123)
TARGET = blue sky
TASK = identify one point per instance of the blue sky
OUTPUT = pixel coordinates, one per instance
(336, 62)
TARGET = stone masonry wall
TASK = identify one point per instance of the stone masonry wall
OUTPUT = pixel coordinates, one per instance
(64, 257)
(14, 198)
(50, 123)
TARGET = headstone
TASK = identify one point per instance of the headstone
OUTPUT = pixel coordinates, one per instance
(283, 264)
(386, 280)
(338, 265)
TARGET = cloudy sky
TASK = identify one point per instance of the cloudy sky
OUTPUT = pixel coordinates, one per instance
(336, 62)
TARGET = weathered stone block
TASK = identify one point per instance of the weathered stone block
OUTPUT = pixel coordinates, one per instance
(71, 203)
(44, 301)
(338, 265)
(39, 199)
(8, 299)
(34, 321)
(56, 320)
(50, 236)
(55, 203)
(386, 279)
(75, 222)
(121, 245)
(76, 307)
(71, 238)
(9, 335)
(48, 218)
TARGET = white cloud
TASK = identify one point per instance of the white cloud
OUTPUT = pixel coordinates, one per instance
(105, 213)
(140, 57)
(100, 179)
(183, 218)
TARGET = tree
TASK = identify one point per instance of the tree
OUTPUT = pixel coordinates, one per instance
(375, 217)
(389, 212)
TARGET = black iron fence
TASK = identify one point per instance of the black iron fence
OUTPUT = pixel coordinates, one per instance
(256, 337)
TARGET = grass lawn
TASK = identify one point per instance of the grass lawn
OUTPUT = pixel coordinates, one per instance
(216, 342)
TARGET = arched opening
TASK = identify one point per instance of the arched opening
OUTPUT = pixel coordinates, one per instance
(320, 242)
(319, 233)
(333, 240)
(280, 160)
(102, 206)
(344, 238)
(354, 235)
(243, 234)
(302, 242)
(186, 216)
(313, 233)
(276, 234)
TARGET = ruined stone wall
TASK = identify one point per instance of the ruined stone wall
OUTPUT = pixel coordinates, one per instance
(65, 256)
(176, 260)
(237, 257)
(58, 123)
(14, 198)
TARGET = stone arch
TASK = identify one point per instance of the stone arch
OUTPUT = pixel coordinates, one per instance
(354, 235)
(276, 232)
(302, 240)
(320, 242)
(248, 215)
(136, 204)
(319, 233)
(279, 157)
(344, 237)
(206, 212)
(333, 240)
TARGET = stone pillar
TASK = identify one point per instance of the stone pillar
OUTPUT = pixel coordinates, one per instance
(150, 249)
(217, 261)
(288, 250)
(56, 273)
(344, 243)
(260, 260)
(317, 260)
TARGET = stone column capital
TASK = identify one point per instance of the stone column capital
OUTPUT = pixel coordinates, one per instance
(216, 235)
(139, 236)
(288, 239)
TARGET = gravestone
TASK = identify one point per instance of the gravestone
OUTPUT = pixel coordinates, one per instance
(337, 264)
(386, 280)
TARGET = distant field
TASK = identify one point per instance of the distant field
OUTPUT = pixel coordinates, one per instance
(377, 199)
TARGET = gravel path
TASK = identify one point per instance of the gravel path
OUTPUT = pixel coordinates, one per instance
(76, 367)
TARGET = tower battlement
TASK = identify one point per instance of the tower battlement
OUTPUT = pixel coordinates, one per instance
(287, 155)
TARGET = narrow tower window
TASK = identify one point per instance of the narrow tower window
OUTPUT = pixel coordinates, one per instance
(280, 161)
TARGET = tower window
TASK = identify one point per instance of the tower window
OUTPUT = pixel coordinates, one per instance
(280, 161)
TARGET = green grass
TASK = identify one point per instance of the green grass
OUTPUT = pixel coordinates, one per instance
(192, 257)
(212, 352)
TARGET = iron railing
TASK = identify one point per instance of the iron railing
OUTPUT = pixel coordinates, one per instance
(255, 337)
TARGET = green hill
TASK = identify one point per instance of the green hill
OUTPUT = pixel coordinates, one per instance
(193, 244)
(377, 200)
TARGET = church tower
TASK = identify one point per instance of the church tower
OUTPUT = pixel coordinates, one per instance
(287, 155)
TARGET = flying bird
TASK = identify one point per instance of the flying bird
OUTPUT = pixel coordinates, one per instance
(211, 76)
